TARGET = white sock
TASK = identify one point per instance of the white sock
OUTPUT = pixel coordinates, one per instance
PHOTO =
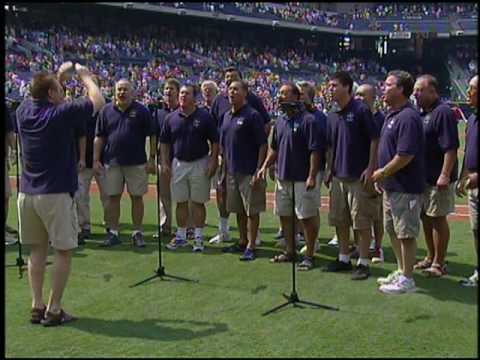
(114, 232)
(223, 225)
(362, 261)
(182, 233)
(344, 258)
(198, 233)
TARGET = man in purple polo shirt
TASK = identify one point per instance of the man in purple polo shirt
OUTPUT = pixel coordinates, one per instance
(243, 147)
(47, 213)
(220, 107)
(122, 128)
(297, 142)
(170, 94)
(187, 134)
(85, 176)
(441, 144)
(353, 140)
(469, 174)
(401, 174)
(367, 93)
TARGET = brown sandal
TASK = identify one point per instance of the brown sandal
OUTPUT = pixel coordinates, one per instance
(282, 258)
(37, 315)
(424, 264)
(52, 319)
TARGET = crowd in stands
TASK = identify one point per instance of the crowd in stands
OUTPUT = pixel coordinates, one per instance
(112, 57)
(433, 10)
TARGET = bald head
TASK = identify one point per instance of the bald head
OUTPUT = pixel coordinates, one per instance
(472, 92)
(366, 93)
(123, 93)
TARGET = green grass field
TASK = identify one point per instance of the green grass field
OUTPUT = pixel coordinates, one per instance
(220, 316)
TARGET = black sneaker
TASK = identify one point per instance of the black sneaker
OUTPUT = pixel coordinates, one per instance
(337, 265)
(82, 235)
(111, 240)
(138, 240)
(235, 248)
(361, 272)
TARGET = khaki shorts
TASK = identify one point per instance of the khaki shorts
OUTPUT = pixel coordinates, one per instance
(190, 181)
(473, 206)
(350, 204)
(135, 176)
(438, 202)
(8, 189)
(402, 214)
(377, 208)
(243, 198)
(48, 218)
(306, 202)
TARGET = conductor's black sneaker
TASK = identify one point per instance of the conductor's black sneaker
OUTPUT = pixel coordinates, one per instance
(361, 272)
(337, 265)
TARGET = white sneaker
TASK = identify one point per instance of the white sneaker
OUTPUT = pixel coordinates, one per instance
(390, 279)
(402, 286)
(472, 281)
(378, 259)
(219, 238)
(10, 239)
(281, 243)
(198, 245)
(372, 245)
(299, 240)
(333, 242)
(303, 250)
(258, 240)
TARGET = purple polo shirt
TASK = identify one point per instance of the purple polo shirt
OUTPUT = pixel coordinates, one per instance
(221, 106)
(322, 139)
(350, 132)
(471, 144)
(294, 140)
(8, 122)
(47, 138)
(125, 133)
(402, 134)
(159, 119)
(189, 135)
(241, 136)
(441, 135)
(379, 119)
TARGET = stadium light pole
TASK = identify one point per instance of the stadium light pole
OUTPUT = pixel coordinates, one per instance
(160, 272)
(293, 298)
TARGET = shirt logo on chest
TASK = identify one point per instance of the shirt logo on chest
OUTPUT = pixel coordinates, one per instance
(349, 117)
(196, 123)
(427, 118)
(391, 123)
(132, 114)
(239, 122)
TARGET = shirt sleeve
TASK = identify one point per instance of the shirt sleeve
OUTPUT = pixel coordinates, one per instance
(274, 141)
(212, 131)
(150, 126)
(447, 130)
(165, 131)
(407, 143)
(370, 126)
(258, 129)
(101, 126)
(258, 105)
(313, 133)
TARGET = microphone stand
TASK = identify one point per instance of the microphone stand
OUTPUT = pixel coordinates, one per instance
(293, 298)
(160, 272)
